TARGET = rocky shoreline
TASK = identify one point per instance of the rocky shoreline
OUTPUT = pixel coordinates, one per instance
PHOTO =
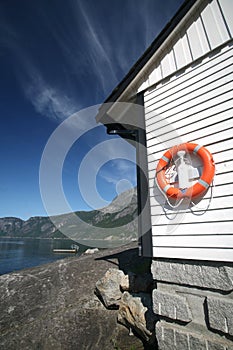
(54, 306)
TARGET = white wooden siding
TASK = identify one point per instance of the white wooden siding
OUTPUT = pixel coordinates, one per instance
(226, 7)
(196, 106)
(207, 26)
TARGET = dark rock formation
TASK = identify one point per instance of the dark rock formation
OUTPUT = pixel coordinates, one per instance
(54, 307)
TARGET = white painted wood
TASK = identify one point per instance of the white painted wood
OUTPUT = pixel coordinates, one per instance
(208, 121)
(223, 173)
(182, 52)
(168, 65)
(200, 96)
(218, 151)
(196, 105)
(206, 67)
(208, 203)
(197, 241)
(219, 105)
(207, 117)
(220, 190)
(197, 87)
(217, 148)
(224, 157)
(217, 137)
(221, 195)
(174, 222)
(163, 143)
(200, 32)
(219, 21)
(225, 178)
(217, 202)
(222, 152)
(209, 228)
(194, 253)
(216, 215)
(227, 9)
(214, 25)
(200, 139)
(197, 38)
(156, 75)
(224, 167)
(189, 124)
(205, 107)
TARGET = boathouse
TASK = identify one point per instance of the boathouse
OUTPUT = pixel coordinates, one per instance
(183, 84)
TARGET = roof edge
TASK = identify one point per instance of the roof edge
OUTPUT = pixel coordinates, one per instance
(159, 40)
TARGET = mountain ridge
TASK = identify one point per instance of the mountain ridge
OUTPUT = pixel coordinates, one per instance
(120, 215)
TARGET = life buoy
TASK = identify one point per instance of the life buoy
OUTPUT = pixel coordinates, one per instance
(201, 186)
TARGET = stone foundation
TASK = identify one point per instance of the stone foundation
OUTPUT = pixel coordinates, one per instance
(194, 305)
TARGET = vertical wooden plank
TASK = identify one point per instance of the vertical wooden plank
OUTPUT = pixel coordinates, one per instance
(227, 11)
(214, 25)
(197, 39)
(168, 64)
(182, 52)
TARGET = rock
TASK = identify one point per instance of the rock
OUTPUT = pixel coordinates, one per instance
(91, 251)
(53, 307)
(137, 283)
(135, 312)
(108, 288)
(124, 283)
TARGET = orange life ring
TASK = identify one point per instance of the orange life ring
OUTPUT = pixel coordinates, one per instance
(201, 186)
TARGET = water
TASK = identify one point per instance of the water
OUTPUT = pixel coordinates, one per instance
(18, 253)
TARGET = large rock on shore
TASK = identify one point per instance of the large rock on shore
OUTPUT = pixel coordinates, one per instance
(135, 311)
(108, 288)
(54, 306)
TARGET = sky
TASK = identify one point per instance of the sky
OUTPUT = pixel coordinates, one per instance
(58, 58)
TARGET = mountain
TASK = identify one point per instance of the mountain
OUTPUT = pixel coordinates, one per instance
(118, 220)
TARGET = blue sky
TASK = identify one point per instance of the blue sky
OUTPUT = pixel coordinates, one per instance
(56, 58)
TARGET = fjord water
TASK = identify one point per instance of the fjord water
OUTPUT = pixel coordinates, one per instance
(19, 253)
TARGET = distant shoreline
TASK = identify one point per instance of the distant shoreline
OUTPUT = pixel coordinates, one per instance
(48, 238)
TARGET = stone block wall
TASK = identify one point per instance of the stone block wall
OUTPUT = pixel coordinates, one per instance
(193, 302)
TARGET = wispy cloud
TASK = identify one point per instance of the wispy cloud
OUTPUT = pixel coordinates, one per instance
(118, 170)
(83, 42)
(123, 166)
(90, 48)
(47, 100)
(96, 46)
